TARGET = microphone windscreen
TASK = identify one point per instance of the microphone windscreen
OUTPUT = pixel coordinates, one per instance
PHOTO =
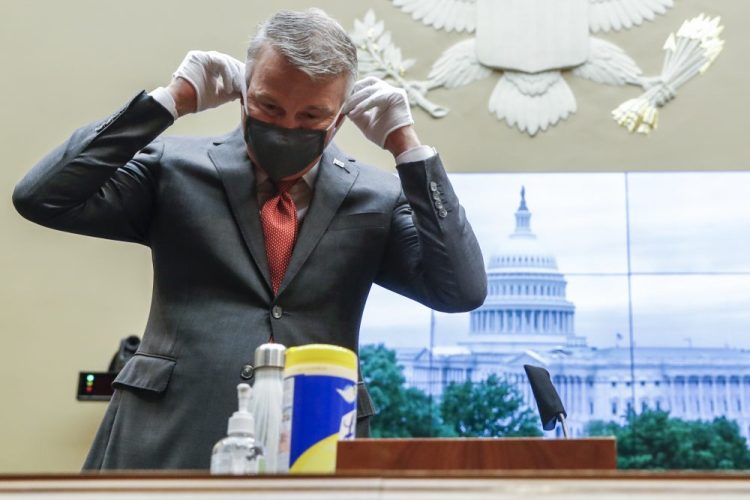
(547, 399)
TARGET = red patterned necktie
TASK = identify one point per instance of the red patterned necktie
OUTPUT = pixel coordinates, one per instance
(279, 218)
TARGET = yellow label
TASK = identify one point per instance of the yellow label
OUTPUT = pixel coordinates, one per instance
(320, 457)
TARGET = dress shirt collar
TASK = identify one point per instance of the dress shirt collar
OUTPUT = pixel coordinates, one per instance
(309, 177)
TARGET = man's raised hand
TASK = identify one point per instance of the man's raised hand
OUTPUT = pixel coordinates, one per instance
(382, 113)
(205, 80)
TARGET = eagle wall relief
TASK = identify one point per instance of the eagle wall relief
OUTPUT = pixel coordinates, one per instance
(532, 42)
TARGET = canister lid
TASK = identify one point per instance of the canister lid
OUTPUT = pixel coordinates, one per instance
(321, 353)
(271, 354)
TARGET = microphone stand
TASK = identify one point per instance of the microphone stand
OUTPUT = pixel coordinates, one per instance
(561, 418)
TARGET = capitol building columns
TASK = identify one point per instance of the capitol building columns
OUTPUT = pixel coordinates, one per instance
(672, 401)
(526, 293)
(519, 320)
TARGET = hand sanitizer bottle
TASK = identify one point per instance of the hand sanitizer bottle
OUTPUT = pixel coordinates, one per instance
(238, 454)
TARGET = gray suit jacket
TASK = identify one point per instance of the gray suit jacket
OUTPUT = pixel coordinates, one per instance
(193, 202)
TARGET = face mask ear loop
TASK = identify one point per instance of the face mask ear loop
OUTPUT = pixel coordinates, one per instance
(245, 80)
(332, 126)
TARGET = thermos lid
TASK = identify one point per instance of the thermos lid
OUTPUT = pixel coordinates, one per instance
(270, 354)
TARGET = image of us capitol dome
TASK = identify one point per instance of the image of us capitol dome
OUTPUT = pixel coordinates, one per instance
(528, 318)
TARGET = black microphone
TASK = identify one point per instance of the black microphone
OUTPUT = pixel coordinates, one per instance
(128, 346)
(547, 400)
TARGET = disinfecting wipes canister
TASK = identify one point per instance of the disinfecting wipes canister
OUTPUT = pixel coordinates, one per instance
(320, 406)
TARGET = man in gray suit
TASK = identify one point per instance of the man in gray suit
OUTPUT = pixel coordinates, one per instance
(269, 232)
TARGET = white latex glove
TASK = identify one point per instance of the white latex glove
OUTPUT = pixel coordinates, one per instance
(217, 78)
(378, 108)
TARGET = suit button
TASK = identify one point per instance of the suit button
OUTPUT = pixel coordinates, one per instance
(443, 213)
(433, 186)
(436, 196)
(247, 372)
(439, 205)
(276, 312)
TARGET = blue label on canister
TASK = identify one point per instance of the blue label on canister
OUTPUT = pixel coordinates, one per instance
(324, 410)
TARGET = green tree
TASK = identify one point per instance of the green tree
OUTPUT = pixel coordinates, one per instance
(653, 440)
(487, 409)
(402, 412)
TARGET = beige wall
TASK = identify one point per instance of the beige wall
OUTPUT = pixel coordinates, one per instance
(66, 300)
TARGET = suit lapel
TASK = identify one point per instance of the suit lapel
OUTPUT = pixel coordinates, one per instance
(236, 172)
(331, 187)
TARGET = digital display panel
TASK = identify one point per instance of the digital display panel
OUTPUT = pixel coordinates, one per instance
(95, 386)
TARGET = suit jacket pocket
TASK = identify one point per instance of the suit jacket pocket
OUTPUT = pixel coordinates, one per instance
(146, 373)
(358, 221)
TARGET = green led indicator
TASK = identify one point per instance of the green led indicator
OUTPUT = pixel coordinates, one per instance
(90, 377)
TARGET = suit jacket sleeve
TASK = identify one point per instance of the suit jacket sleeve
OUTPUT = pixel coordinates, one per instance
(101, 181)
(432, 255)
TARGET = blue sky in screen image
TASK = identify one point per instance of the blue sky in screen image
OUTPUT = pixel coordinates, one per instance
(690, 252)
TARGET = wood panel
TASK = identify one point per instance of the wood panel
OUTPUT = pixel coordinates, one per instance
(476, 454)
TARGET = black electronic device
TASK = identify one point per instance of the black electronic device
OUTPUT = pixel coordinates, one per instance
(97, 386)
(128, 346)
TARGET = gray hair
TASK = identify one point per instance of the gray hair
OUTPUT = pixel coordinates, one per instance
(311, 41)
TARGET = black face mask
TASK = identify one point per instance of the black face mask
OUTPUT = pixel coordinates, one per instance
(281, 151)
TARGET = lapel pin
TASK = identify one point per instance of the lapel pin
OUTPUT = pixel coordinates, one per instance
(340, 164)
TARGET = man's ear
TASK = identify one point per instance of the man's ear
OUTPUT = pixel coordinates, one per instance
(337, 125)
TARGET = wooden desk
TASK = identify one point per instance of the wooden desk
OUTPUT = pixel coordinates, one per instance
(391, 485)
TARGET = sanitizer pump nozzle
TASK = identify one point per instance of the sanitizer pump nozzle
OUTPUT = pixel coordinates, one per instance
(238, 454)
(242, 421)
